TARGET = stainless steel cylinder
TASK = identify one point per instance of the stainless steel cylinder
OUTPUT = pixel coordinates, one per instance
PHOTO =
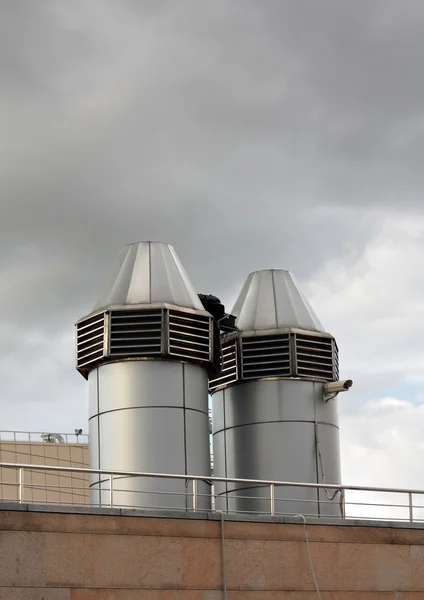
(276, 430)
(149, 416)
(271, 418)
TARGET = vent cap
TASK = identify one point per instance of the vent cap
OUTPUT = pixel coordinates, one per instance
(278, 335)
(271, 299)
(149, 273)
(149, 310)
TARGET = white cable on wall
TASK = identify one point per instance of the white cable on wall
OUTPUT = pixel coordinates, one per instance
(310, 556)
(224, 567)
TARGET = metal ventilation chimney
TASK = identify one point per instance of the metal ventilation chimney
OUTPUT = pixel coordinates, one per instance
(147, 350)
(271, 417)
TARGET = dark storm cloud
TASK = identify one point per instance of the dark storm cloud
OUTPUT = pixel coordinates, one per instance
(247, 134)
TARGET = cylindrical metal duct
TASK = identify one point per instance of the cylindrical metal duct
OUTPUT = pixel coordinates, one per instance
(147, 351)
(270, 417)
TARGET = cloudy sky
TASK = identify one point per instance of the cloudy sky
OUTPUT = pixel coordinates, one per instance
(247, 134)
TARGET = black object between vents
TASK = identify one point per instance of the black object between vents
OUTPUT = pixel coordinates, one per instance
(214, 306)
(221, 323)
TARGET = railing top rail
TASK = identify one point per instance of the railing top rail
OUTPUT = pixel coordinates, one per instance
(36, 432)
(211, 479)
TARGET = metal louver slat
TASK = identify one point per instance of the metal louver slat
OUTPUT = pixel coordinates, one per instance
(135, 333)
(189, 336)
(315, 357)
(336, 360)
(89, 333)
(229, 371)
(266, 356)
(90, 340)
(323, 350)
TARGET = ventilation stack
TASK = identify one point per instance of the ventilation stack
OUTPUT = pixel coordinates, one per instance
(272, 418)
(147, 352)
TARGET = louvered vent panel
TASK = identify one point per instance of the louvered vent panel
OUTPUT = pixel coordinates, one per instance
(267, 356)
(336, 361)
(136, 333)
(314, 357)
(190, 336)
(229, 373)
(90, 340)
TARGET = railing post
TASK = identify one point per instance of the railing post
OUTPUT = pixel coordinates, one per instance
(342, 504)
(21, 485)
(194, 495)
(111, 490)
(272, 499)
(411, 507)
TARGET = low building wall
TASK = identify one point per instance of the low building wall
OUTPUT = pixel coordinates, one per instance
(46, 486)
(46, 554)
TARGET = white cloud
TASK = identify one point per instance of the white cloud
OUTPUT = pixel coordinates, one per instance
(375, 305)
(383, 446)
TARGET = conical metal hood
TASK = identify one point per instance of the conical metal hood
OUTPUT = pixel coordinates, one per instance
(149, 273)
(149, 309)
(271, 299)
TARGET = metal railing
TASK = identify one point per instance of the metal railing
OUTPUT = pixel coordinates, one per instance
(71, 486)
(43, 436)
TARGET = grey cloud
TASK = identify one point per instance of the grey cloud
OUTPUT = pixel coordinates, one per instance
(246, 134)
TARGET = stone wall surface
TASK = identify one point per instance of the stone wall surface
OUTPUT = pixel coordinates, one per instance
(50, 555)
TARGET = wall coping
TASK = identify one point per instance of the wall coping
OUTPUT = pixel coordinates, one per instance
(204, 516)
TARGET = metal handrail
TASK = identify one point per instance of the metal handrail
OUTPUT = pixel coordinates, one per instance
(212, 479)
(109, 476)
